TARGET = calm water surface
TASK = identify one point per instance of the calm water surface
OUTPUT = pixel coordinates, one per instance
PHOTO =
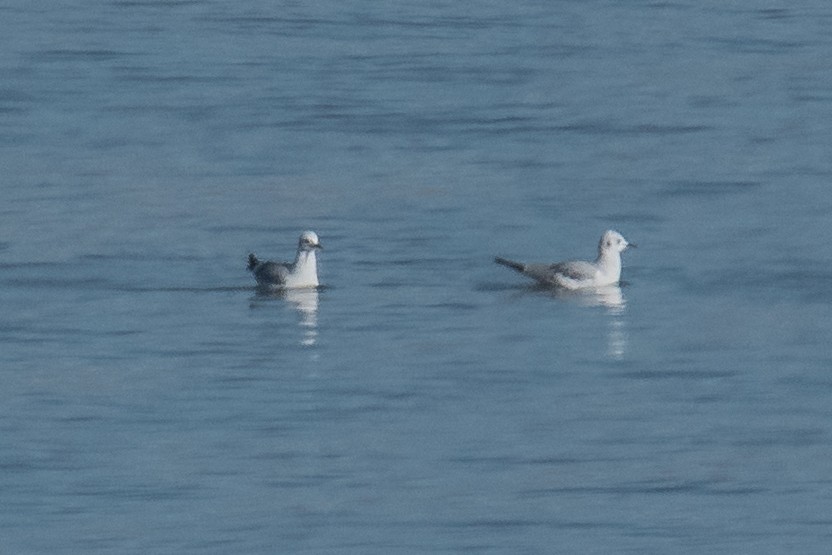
(425, 400)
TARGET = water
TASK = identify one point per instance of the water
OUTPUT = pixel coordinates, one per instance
(425, 400)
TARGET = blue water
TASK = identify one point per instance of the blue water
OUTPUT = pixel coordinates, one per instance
(425, 400)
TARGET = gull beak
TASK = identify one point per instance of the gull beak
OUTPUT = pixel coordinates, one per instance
(318, 246)
(632, 246)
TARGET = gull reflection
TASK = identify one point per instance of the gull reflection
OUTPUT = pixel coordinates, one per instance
(305, 301)
(609, 296)
(612, 299)
(617, 339)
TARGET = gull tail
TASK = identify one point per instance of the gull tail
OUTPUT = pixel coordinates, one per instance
(511, 264)
(252, 261)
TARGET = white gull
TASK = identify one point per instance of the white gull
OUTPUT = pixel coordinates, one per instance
(303, 272)
(579, 274)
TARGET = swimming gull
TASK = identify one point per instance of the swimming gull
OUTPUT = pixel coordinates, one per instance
(303, 272)
(579, 274)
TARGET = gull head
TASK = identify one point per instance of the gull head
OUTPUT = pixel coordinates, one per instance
(612, 241)
(309, 241)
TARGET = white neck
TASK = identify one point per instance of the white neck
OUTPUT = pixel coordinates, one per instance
(304, 270)
(609, 264)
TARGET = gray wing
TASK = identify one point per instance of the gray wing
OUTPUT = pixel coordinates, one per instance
(271, 273)
(545, 273)
(575, 269)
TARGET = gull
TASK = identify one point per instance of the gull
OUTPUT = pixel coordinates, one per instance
(303, 272)
(579, 274)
